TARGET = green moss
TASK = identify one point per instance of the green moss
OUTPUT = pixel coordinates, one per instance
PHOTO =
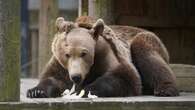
(10, 90)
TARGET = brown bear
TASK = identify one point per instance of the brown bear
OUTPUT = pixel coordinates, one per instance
(96, 59)
(84, 57)
(148, 54)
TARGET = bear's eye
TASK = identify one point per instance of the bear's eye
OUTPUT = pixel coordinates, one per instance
(83, 54)
(67, 55)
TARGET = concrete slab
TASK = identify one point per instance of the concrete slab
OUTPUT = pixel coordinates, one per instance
(185, 101)
(29, 83)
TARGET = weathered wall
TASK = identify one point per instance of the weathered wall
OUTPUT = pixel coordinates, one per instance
(9, 50)
(172, 20)
(102, 9)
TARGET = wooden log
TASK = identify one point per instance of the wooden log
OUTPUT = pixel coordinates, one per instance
(10, 50)
(47, 16)
(102, 9)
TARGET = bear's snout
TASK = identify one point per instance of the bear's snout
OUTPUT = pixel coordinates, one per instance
(76, 78)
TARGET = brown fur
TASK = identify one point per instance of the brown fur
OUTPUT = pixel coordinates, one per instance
(119, 48)
(151, 59)
(120, 53)
(85, 21)
(143, 43)
(106, 66)
(55, 77)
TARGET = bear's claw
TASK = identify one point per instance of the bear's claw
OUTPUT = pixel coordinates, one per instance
(36, 92)
(170, 91)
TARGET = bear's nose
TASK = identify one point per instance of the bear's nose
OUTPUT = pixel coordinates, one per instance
(76, 78)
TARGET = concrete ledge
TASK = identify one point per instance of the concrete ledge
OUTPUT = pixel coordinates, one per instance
(183, 70)
(185, 76)
(185, 80)
(101, 106)
(185, 101)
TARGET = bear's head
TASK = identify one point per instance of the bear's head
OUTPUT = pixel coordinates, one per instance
(74, 47)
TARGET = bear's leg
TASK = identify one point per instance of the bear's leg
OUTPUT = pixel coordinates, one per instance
(49, 87)
(120, 82)
(158, 75)
(54, 81)
(153, 68)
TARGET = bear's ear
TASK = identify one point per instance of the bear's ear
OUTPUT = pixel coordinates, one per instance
(64, 26)
(97, 28)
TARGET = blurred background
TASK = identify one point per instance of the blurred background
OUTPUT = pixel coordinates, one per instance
(172, 20)
(35, 14)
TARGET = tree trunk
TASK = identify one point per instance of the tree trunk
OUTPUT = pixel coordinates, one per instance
(47, 16)
(102, 9)
(10, 50)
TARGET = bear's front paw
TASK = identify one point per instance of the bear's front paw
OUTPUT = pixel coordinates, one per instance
(166, 92)
(36, 92)
(90, 92)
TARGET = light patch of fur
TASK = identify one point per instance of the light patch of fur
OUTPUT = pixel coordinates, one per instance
(64, 42)
(59, 37)
(122, 48)
(60, 23)
(64, 26)
(78, 66)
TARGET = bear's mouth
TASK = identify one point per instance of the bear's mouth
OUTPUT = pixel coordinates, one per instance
(79, 86)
